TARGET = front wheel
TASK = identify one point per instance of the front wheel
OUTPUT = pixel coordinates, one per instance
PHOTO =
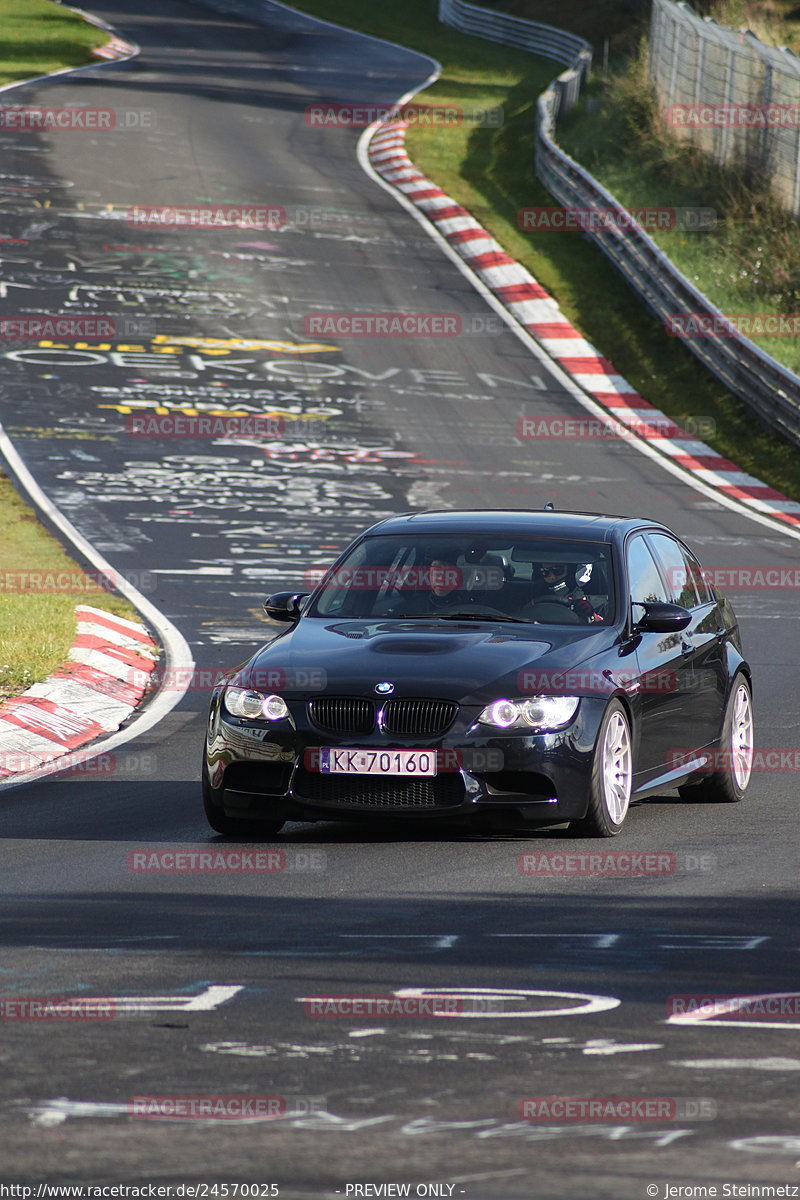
(727, 784)
(612, 776)
(221, 823)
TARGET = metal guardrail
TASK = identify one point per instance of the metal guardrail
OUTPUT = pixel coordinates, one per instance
(758, 380)
(545, 40)
(762, 383)
(512, 31)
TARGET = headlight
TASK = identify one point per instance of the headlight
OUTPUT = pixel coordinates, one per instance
(538, 712)
(240, 702)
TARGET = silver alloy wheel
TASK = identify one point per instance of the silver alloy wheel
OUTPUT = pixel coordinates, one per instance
(741, 737)
(616, 768)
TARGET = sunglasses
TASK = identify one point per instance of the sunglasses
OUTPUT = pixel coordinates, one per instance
(559, 570)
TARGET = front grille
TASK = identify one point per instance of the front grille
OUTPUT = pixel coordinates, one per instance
(379, 791)
(418, 718)
(342, 714)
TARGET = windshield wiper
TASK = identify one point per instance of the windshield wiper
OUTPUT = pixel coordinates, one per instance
(468, 616)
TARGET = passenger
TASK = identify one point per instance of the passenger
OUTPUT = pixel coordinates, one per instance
(440, 590)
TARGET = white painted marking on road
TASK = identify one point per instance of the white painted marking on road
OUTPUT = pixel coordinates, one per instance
(600, 941)
(740, 1064)
(769, 1144)
(441, 941)
(712, 941)
(361, 1033)
(55, 1112)
(210, 999)
(241, 1049)
(591, 1003)
(191, 570)
(603, 1047)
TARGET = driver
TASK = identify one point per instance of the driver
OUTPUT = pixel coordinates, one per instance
(557, 581)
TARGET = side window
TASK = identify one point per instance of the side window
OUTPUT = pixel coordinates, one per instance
(676, 569)
(643, 577)
(702, 580)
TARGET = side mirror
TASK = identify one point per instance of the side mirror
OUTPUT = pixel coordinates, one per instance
(662, 618)
(285, 606)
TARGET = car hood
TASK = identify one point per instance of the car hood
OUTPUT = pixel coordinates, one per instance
(462, 661)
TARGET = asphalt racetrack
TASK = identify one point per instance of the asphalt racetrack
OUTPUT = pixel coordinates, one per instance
(209, 972)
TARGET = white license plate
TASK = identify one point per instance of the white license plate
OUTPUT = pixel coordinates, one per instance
(377, 762)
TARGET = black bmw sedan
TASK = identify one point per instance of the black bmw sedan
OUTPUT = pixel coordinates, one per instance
(492, 666)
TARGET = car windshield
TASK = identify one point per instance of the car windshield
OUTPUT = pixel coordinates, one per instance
(543, 580)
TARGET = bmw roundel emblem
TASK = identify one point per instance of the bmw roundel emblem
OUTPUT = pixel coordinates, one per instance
(384, 689)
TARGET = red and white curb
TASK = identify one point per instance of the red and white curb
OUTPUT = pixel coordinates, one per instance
(92, 694)
(116, 48)
(536, 310)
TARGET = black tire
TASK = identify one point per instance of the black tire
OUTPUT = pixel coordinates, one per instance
(734, 757)
(612, 777)
(232, 826)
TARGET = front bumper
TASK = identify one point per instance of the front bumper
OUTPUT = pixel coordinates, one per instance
(261, 769)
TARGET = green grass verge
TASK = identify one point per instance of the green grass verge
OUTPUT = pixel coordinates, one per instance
(37, 626)
(38, 37)
(490, 171)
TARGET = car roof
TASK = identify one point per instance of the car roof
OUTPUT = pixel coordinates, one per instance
(516, 523)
